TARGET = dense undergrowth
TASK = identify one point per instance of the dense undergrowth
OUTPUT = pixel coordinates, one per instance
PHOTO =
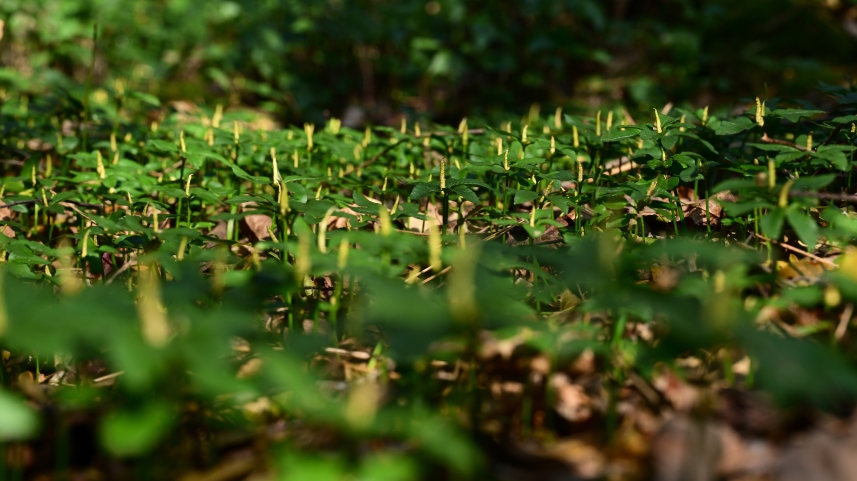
(202, 297)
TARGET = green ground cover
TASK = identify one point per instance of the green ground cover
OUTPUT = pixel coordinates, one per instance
(199, 296)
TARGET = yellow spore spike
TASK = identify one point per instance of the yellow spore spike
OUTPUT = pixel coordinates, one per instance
(417, 131)
(342, 255)
(772, 174)
(658, 122)
(303, 262)
(218, 116)
(705, 115)
(334, 126)
(784, 194)
(99, 167)
(187, 186)
(84, 249)
(524, 134)
(155, 223)
(284, 198)
(404, 127)
(153, 316)
(598, 124)
(113, 147)
(435, 245)
(181, 142)
(367, 136)
(809, 142)
(609, 124)
(295, 159)
(275, 177)
(557, 118)
(309, 130)
(395, 206)
(499, 145)
(236, 131)
(553, 145)
(384, 220)
(760, 113)
(575, 137)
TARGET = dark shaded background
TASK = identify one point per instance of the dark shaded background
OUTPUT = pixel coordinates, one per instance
(373, 59)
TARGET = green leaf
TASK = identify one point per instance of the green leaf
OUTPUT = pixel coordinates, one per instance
(424, 189)
(162, 145)
(772, 223)
(845, 120)
(172, 192)
(734, 185)
(472, 182)
(18, 421)
(814, 182)
(145, 98)
(734, 126)
(773, 147)
(836, 158)
(205, 195)
(789, 156)
(621, 132)
(522, 196)
(794, 115)
(804, 226)
(466, 193)
(69, 194)
(131, 433)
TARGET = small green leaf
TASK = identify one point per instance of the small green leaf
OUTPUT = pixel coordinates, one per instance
(734, 126)
(205, 195)
(621, 132)
(522, 196)
(805, 227)
(145, 98)
(131, 433)
(424, 189)
(794, 115)
(18, 421)
(772, 223)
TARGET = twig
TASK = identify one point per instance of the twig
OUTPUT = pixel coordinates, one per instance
(124, 267)
(844, 320)
(826, 196)
(812, 256)
(832, 134)
(444, 271)
(770, 140)
(34, 201)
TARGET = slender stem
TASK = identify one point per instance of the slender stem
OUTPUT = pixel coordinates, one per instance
(445, 201)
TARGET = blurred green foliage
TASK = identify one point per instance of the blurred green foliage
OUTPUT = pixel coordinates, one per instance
(304, 59)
